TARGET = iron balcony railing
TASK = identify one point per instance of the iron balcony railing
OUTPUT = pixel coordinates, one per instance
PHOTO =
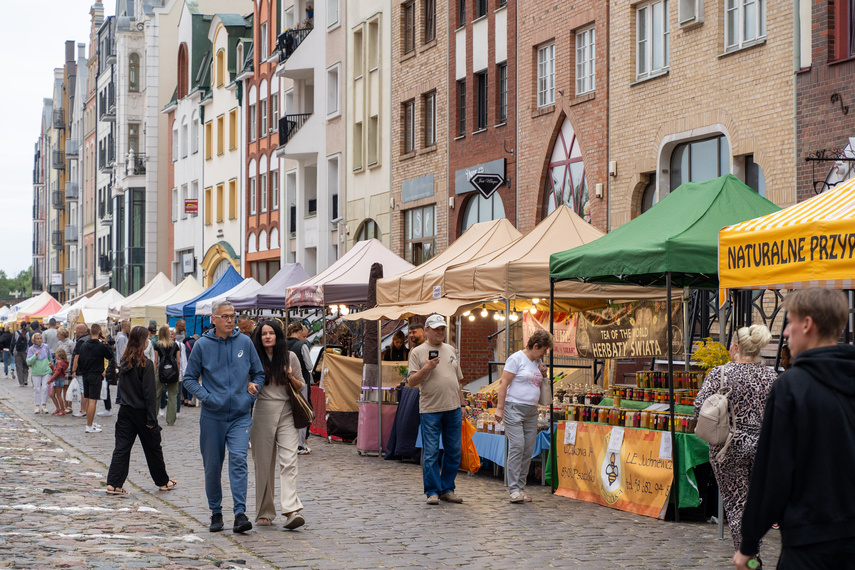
(70, 276)
(56, 200)
(135, 164)
(289, 125)
(58, 160)
(72, 191)
(70, 233)
(59, 118)
(104, 263)
(289, 40)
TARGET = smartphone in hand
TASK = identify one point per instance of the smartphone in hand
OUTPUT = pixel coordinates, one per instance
(433, 354)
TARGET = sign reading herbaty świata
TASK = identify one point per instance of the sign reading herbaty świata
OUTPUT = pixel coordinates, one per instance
(638, 329)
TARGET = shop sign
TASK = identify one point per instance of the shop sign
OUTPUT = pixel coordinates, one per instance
(626, 469)
(463, 177)
(487, 183)
(56, 278)
(417, 188)
(188, 263)
(624, 330)
(191, 205)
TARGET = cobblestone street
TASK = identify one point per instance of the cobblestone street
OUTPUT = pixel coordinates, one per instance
(361, 512)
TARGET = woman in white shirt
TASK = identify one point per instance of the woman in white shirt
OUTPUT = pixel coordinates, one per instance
(519, 393)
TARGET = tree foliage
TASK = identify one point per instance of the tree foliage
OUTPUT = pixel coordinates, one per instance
(21, 283)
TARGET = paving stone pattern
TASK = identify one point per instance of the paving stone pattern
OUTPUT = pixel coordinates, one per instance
(361, 512)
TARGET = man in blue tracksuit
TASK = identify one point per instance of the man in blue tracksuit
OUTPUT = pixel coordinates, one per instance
(231, 374)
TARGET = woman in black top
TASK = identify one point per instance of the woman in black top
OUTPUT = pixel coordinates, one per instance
(137, 418)
(397, 352)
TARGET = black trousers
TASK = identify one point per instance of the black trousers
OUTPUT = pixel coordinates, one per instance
(833, 554)
(129, 425)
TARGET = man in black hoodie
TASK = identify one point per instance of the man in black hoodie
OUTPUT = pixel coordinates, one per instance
(805, 460)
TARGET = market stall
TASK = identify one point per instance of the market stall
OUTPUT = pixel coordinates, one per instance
(97, 309)
(146, 310)
(245, 288)
(271, 295)
(187, 309)
(61, 316)
(43, 308)
(675, 244)
(151, 290)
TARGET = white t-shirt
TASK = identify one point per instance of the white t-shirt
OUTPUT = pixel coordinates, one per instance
(525, 387)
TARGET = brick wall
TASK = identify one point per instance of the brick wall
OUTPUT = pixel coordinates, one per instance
(746, 95)
(542, 22)
(821, 124)
(475, 350)
(499, 139)
(416, 74)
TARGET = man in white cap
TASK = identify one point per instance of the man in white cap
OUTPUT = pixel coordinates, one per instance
(434, 368)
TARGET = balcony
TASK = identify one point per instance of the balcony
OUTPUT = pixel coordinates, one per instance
(107, 105)
(56, 200)
(104, 263)
(105, 215)
(57, 239)
(110, 56)
(70, 276)
(59, 118)
(289, 40)
(58, 160)
(38, 181)
(289, 125)
(70, 233)
(72, 147)
(72, 191)
(106, 159)
(134, 164)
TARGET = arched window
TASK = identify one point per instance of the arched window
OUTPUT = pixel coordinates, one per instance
(194, 136)
(262, 241)
(567, 184)
(221, 269)
(221, 67)
(701, 160)
(251, 243)
(183, 71)
(185, 136)
(480, 209)
(274, 238)
(134, 72)
(367, 230)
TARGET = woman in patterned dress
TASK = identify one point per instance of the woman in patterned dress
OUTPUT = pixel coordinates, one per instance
(751, 382)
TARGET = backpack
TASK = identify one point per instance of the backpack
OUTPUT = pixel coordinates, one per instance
(714, 419)
(167, 366)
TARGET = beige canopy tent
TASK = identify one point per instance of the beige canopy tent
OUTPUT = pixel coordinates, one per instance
(97, 309)
(519, 272)
(419, 283)
(155, 309)
(153, 289)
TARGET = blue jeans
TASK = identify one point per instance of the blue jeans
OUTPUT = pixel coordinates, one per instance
(215, 436)
(448, 426)
(7, 359)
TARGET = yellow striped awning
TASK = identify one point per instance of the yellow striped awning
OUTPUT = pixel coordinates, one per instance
(810, 244)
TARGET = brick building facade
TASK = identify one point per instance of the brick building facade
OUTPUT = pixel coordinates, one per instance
(825, 93)
(563, 105)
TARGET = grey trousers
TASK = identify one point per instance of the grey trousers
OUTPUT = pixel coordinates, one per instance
(21, 368)
(520, 422)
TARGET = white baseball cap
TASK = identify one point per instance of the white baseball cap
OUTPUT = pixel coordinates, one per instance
(435, 321)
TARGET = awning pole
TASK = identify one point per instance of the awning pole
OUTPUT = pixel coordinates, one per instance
(507, 329)
(675, 489)
(553, 448)
(379, 392)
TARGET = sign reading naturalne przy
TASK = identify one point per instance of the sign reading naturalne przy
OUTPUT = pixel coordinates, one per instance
(626, 330)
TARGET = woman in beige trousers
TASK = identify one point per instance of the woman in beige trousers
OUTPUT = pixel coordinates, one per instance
(273, 434)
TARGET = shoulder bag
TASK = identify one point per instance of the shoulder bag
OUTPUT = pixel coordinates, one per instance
(714, 419)
(301, 410)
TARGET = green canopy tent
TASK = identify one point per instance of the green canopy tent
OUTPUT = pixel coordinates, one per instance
(675, 243)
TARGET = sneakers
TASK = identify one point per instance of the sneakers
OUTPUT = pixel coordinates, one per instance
(517, 497)
(433, 500)
(216, 522)
(44, 409)
(242, 523)
(450, 497)
(94, 428)
(162, 412)
(303, 450)
(104, 413)
(77, 415)
(39, 410)
(295, 520)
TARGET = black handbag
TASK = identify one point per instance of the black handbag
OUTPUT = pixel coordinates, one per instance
(301, 410)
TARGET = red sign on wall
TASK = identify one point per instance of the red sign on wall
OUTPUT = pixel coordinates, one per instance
(191, 205)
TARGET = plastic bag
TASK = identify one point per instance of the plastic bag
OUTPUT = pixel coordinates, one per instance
(103, 389)
(469, 460)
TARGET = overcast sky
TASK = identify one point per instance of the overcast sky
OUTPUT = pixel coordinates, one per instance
(38, 31)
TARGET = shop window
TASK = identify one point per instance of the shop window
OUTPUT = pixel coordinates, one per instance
(480, 209)
(701, 160)
(419, 234)
(651, 39)
(567, 182)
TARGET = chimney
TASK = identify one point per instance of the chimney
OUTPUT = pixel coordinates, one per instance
(81, 50)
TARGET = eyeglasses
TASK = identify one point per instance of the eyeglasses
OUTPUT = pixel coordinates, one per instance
(229, 317)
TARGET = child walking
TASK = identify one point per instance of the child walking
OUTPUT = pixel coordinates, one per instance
(57, 381)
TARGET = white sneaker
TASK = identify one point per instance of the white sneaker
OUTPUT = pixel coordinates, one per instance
(96, 425)
(38, 410)
(44, 409)
(94, 428)
(162, 412)
(103, 413)
(78, 415)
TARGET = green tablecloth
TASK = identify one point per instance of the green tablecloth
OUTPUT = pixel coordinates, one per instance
(691, 451)
(633, 405)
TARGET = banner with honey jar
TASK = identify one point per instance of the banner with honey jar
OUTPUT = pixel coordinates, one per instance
(623, 468)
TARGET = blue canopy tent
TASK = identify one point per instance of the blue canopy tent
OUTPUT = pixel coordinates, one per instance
(187, 310)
